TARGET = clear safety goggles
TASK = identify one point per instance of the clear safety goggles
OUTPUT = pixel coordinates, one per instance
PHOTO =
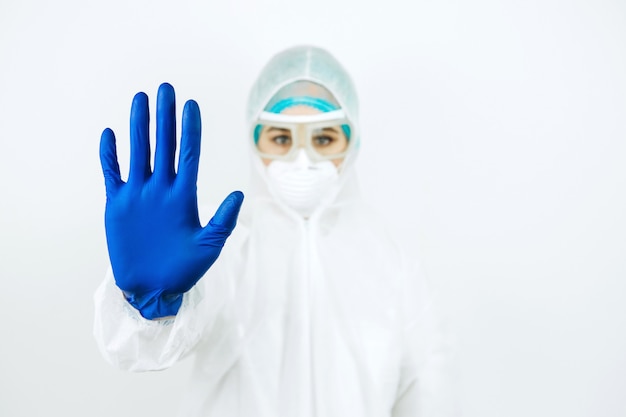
(324, 136)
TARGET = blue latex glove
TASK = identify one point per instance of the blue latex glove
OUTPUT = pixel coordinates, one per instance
(157, 247)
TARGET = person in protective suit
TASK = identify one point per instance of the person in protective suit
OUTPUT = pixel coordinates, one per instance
(311, 308)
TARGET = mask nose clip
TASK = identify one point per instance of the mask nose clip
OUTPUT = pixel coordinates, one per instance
(303, 160)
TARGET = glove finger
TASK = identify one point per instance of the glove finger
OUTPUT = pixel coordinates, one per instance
(165, 133)
(190, 144)
(139, 139)
(225, 218)
(108, 160)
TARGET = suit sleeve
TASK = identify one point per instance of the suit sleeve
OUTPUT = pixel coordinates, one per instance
(427, 386)
(130, 342)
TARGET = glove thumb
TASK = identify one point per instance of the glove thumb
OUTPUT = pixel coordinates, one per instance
(225, 218)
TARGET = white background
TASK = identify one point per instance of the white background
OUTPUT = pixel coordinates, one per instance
(494, 135)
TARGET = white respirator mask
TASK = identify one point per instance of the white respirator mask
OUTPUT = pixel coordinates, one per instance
(301, 183)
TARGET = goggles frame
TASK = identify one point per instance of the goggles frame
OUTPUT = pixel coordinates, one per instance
(302, 128)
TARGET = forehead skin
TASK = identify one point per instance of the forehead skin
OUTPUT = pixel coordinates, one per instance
(300, 110)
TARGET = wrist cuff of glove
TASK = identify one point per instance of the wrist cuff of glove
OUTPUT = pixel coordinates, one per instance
(155, 305)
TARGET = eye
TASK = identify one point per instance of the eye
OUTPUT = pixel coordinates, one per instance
(322, 140)
(282, 140)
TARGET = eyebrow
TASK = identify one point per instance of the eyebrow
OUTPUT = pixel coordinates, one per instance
(332, 129)
(280, 129)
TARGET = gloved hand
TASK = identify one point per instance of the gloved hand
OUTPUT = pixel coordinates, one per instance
(157, 247)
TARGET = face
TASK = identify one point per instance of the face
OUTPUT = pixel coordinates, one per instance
(325, 141)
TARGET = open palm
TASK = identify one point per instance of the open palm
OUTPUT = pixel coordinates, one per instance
(157, 247)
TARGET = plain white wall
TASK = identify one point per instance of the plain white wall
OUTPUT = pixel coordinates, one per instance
(494, 135)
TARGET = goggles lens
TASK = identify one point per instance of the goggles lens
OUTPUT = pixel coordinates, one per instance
(324, 136)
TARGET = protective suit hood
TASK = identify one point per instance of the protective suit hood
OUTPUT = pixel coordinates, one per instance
(313, 64)
(304, 63)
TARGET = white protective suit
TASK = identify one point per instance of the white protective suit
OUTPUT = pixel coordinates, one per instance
(297, 318)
